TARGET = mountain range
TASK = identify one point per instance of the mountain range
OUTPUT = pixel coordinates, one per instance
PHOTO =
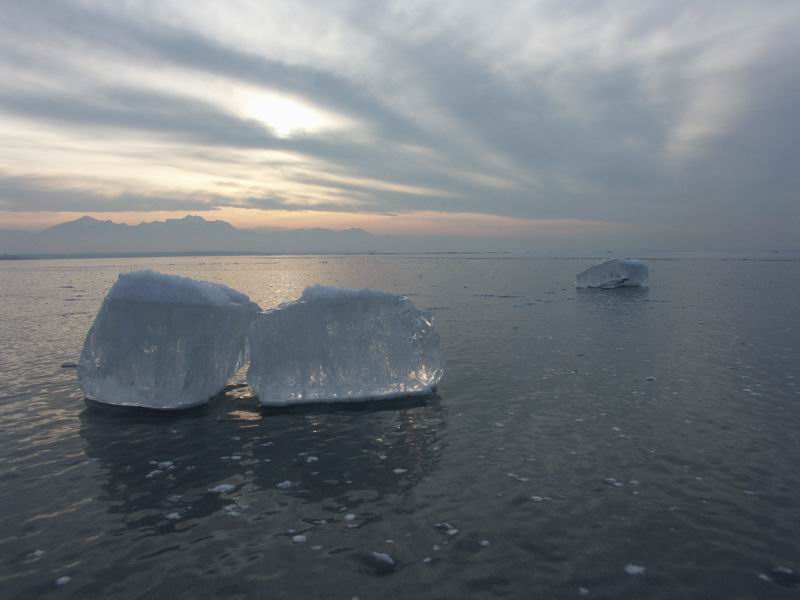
(191, 234)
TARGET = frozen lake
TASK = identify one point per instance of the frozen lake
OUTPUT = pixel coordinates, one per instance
(577, 435)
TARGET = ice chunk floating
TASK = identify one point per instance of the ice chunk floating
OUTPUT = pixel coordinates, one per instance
(614, 273)
(165, 342)
(336, 345)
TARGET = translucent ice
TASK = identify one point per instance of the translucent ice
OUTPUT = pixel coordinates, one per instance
(617, 272)
(166, 342)
(336, 345)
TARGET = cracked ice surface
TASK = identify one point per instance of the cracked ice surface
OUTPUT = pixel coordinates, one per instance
(165, 342)
(336, 345)
(617, 272)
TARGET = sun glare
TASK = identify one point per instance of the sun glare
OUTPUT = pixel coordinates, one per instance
(286, 116)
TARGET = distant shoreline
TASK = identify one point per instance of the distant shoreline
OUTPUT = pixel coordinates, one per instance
(765, 257)
(229, 253)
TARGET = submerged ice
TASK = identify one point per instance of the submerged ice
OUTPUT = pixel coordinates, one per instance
(166, 342)
(341, 344)
(614, 273)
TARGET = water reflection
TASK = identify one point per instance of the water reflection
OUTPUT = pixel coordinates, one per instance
(159, 469)
(623, 298)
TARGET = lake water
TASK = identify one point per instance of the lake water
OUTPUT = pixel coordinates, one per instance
(576, 433)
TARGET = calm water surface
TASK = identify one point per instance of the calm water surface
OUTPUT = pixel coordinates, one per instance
(574, 434)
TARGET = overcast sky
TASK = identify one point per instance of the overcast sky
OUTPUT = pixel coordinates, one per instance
(674, 121)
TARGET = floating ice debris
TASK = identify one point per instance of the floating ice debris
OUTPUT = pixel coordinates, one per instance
(165, 342)
(223, 488)
(537, 498)
(312, 459)
(152, 474)
(284, 485)
(613, 273)
(436, 547)
(446, 528)
(485, 543)
(517, 477)
(63, 580)
(37, 554)
(335, 345)
(650, 378)
(400, 471)
(427, 560)
(299, 539)
(350, 517)
(317, 547)
(631, 569)
(69, 365)
(173, 516)
(383, 557)
(613, 482)
(166, 464)
(784, 576)
(583, 591)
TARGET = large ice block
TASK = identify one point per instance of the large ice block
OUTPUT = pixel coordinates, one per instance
(166, 342)
(335, 345)
(614, 273)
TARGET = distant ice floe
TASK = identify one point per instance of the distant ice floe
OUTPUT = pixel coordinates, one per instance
(614, 273)
(164, 342)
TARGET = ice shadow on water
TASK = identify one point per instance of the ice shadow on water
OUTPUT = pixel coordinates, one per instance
(389, 404)
(158, 469)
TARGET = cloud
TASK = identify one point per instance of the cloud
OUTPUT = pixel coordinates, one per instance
(677, 115)
(31, 193)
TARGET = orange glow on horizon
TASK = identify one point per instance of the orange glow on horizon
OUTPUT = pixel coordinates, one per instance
(410, 223)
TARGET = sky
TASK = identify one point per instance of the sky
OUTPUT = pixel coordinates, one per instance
(672, 123)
